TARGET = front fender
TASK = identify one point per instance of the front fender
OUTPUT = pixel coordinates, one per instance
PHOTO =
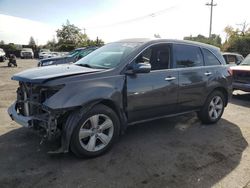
(79, 93)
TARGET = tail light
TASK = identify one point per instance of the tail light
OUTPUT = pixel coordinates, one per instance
(230, 71)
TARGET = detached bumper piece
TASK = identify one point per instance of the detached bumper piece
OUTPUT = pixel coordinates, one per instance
(25, 121)
(44, 121)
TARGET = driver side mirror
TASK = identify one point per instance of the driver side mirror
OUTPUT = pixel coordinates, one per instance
(139, 68)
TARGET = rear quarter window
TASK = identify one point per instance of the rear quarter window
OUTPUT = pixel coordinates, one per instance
(210, 58)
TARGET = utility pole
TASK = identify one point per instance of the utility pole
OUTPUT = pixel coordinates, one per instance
(211, 16)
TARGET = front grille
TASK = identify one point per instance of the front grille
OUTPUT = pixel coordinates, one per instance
(27, 54)
(241, 76)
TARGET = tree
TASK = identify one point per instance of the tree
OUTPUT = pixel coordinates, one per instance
(243, 29)
(32, 42)
(97, 42)
(238, 40)
(70, 37)
(51, 44)
(213, 40)
(158, 36)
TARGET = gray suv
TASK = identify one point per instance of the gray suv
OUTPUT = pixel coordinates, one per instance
(90, 103)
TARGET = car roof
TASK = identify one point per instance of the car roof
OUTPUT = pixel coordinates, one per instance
(230, 53)
(80, 48)
(154, 41)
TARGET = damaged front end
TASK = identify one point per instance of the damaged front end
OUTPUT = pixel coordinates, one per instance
(29, 109)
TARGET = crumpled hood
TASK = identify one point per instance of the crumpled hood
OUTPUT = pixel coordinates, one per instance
(43, 74)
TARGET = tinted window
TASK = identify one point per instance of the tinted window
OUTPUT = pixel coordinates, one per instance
(231, 59)
(210, 58)
(158, 56)
(187, 56)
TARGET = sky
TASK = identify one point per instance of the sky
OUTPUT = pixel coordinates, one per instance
(113, 20)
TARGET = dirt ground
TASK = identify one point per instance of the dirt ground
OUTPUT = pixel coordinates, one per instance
(173, 152)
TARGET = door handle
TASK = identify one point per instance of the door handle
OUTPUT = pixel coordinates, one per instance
(207, 73)
(170, 78)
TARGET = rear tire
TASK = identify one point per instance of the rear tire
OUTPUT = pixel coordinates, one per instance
(213, 108)
(95, 132)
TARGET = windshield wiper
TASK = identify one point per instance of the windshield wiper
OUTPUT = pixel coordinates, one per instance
(84, 65)
(92, 67)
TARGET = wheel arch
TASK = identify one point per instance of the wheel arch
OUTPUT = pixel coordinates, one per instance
(79, 111)
(223, 91)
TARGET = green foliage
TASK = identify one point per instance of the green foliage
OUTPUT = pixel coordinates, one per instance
(213, 40)
(97, 42)
(51, 44)
(12, 47)
(237, 40)
(71, 37)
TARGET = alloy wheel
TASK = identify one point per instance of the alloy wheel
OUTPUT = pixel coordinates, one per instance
(215, 107)
(96, 132)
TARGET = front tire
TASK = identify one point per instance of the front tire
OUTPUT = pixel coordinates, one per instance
(213, 108)
(95, 133)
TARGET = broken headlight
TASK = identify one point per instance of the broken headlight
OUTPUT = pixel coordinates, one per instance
(47, 92)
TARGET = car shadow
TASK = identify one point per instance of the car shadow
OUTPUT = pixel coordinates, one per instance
(4, 66)
(172, 152)
(241, 98)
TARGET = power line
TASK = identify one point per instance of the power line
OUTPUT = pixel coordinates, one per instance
(211, 16)
(154, 14)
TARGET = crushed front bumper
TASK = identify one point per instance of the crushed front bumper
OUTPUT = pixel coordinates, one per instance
(25, 121)
(41, 120)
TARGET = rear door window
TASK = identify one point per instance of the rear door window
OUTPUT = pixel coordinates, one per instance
(187, 56)
(231, 59)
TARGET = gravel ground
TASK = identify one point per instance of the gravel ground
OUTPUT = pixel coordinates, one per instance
(173, 152)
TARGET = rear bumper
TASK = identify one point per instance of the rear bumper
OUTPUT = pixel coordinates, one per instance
(27, 55)
(241, 86)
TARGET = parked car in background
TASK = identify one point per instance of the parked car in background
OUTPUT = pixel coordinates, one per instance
(51, 54)
(232, 58)
(43, 53)
(241, 75)
(92, 101)
(72, 57)
(27, 53)
(2, 55)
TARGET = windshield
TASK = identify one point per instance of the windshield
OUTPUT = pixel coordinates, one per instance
(246, 61)
(108, 56)
(75, 52)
